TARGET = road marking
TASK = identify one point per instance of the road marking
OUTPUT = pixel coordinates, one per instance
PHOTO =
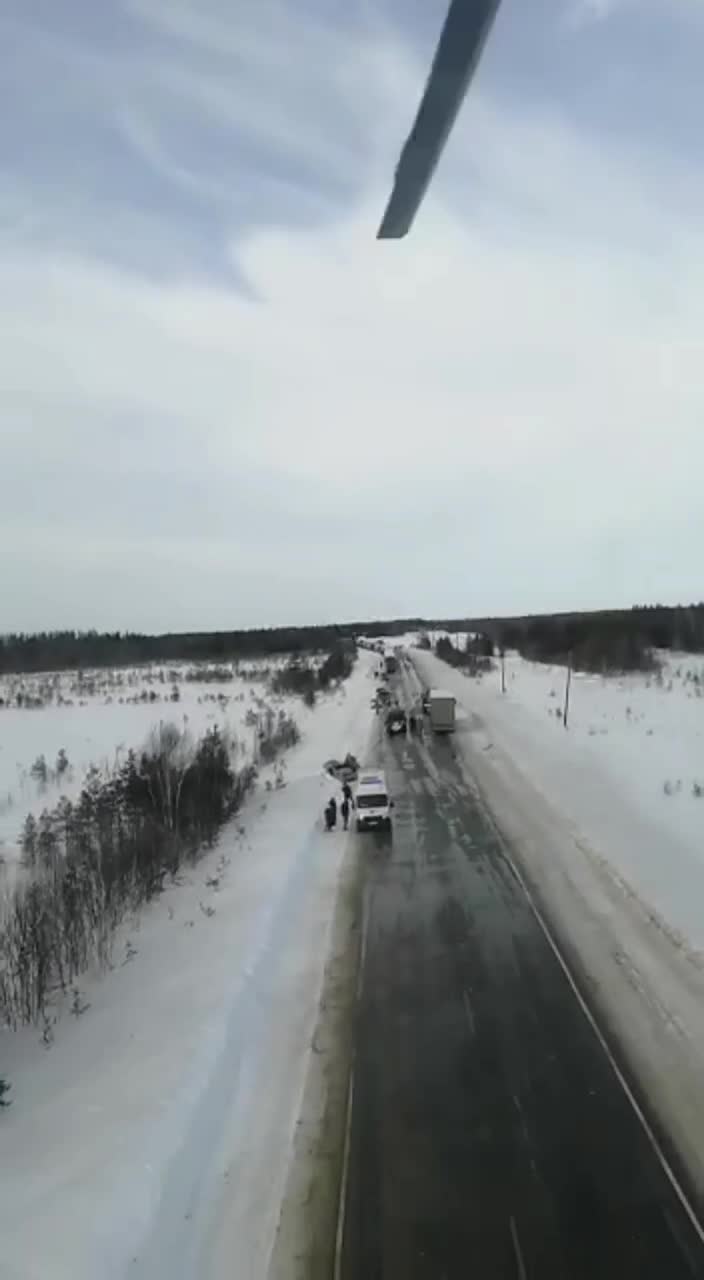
(340, 1233)
(522, 1273)
(468, 1011)
(647, 1129)
(362, 949)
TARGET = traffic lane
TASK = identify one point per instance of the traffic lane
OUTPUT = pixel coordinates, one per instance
(489, 1130)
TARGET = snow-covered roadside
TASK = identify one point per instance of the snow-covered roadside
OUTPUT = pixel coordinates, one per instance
(647, 986)
(152, 1137)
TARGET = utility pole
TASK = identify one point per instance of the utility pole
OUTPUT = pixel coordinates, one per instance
(503, 669)
(568, 682)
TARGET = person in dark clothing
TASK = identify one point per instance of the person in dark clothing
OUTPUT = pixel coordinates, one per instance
(345, 811)
(347, 794)
(331, 814)
(412, 723)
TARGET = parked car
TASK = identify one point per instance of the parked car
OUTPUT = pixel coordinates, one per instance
(396, 721)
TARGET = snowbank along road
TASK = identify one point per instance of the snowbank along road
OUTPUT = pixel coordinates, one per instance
(491, 1132)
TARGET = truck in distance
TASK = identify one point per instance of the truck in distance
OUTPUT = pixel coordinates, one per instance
(441, 710)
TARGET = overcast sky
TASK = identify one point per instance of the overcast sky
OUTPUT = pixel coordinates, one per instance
(224, 403)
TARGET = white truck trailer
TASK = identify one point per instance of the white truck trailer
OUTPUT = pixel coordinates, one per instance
(441, 710)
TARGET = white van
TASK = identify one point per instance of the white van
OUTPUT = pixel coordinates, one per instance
(371, 798)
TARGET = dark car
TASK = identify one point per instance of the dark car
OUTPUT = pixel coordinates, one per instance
(396, 721)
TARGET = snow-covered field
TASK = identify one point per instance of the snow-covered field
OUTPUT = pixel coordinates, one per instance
(99, 715)
(151, 1138)
(628, 770)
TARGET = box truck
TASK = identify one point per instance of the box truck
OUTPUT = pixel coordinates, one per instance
(441, 710)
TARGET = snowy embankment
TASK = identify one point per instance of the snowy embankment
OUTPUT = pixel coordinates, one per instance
(605, 817)
(152, 1137)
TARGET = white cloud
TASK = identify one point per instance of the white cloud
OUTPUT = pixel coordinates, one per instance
(501, 412)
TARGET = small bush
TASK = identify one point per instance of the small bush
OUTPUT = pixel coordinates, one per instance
(337, 666)
(40, 770)
(474, 659)
(219, 675)
(278, 738)
(297, 678)
(302, 679)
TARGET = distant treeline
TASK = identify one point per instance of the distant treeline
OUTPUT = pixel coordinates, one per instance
(67, 650)
(615, 639)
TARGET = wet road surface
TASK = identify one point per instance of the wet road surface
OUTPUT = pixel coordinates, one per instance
(490, 1137)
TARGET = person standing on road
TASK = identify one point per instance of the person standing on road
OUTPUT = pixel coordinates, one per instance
(347, 794)
(345, 811)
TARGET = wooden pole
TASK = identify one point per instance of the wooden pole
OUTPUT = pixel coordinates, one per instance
(503, 671)
(568, 682)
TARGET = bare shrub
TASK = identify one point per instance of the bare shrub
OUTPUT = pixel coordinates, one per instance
(40, 771)
(278, 737)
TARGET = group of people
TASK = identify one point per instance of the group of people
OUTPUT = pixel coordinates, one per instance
(346, 806)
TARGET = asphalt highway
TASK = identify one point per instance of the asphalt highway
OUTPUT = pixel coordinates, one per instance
(490, 1137)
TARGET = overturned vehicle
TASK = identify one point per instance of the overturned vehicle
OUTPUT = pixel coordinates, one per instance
(343, 770)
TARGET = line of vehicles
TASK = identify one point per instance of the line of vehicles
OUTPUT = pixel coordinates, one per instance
(373, 805)
(437, 704)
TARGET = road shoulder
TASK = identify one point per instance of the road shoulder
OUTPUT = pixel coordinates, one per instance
(304, 1248)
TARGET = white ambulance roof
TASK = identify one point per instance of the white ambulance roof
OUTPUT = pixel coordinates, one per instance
(442, 693)
(372, 778)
